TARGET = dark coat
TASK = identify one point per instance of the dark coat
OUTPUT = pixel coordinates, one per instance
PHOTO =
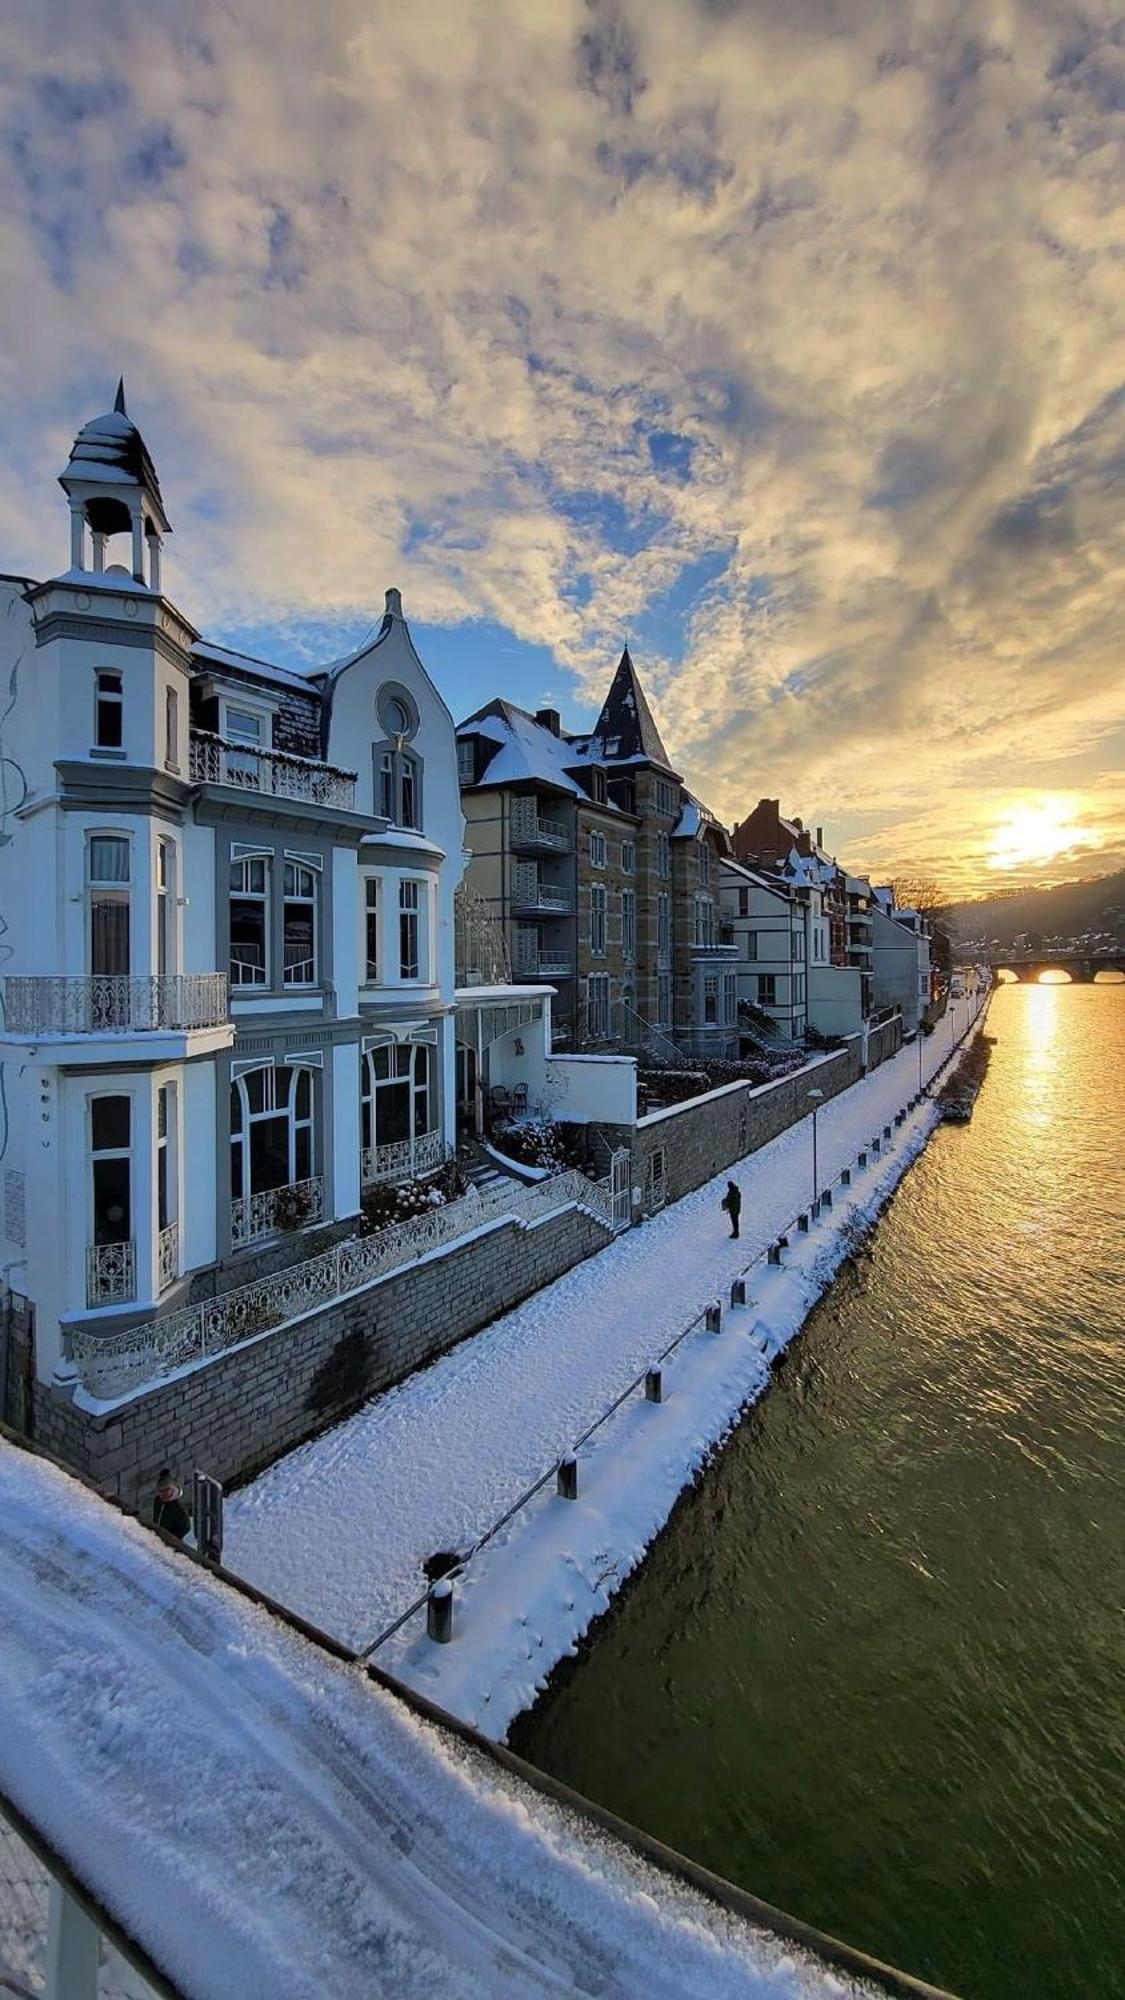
(170, 1514)
(732, 1200)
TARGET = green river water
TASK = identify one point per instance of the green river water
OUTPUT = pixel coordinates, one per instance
(873, 1669)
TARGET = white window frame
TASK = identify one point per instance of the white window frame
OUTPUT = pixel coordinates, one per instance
(245, 895)
(629, 924)
(372, 928)
(301, 868)
(628, 857)
(113, 698)
(419, 911)
(126, 1152)
(597, 920)
(466, 760)
(108, 889)
(240, 1136)
(597, 1006)
(597, 848)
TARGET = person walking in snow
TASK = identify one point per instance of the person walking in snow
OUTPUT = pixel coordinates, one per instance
(168, 1510)
(732, 1202)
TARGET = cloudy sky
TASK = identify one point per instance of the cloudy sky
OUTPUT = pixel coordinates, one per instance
(784, 340)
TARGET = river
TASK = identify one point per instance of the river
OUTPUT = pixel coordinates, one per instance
(873, 1668)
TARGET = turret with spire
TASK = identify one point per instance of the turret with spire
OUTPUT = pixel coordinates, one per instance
(112, 486)
(626, 730)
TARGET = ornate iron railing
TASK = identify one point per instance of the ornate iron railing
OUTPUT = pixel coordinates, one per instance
(529, 893)
(111, 1273)
(529, 830)
(167, 1256)
(115, 1003)
(215, 761)
(255, 1215)
(404, 1160)
(111, 1365)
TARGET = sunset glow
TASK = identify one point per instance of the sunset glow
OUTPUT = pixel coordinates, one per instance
(1039, 832)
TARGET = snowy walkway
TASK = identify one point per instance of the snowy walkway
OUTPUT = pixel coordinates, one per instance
(339, 1529)
(269, 1825)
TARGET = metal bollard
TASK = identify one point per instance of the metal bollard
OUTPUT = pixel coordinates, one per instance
(861, 1160)
(207, 1515)
(714, 1320)
(826, 1198)
(566, 1479)
(899, 1117)
(439, 1612)
(738, 1292)
(886, 1131)
(845, 1177)
(654, 1386)
(773, 1254)
(874, 1149)
(803, 1224)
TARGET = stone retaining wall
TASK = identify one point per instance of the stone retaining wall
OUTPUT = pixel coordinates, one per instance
(234, 1414)
(708, 1134)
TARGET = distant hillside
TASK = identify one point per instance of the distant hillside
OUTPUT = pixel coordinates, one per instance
(1067, 911)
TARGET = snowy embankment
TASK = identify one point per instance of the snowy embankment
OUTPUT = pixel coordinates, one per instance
(340, 1529)
(268, 1824)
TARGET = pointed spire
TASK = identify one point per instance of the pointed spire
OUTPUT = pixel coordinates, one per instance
(119, 399)
(626, 721)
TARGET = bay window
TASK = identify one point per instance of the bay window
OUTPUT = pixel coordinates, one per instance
(273, 1146)
(399, 1110)
(412, 915)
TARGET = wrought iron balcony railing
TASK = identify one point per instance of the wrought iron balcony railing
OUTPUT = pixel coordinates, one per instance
(111, 1273)
(404, 1160)
(529, 830)
(115, 1003)
(278, 773)
(253, 1216)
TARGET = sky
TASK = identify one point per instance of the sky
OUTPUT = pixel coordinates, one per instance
(782, 341)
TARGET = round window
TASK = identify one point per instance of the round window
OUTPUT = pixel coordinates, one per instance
(397, 714)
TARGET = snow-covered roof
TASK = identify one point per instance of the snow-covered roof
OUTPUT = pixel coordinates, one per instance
(205, 653)
(525, 750)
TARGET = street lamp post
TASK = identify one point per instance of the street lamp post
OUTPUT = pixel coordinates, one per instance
(815, 1099)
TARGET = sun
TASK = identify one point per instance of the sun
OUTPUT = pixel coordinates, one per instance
(1036, 831)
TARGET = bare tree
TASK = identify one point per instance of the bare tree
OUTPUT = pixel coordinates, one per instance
(924, 894)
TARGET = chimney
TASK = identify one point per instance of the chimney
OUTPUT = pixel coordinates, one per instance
(820, 836)
(548, 718)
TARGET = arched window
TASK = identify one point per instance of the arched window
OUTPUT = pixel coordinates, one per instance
(272, 1146)
(399, 1132)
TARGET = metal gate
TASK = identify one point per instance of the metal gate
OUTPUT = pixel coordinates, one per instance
(621, 1187)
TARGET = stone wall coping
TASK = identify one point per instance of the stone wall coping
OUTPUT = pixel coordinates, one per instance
(740, 1083)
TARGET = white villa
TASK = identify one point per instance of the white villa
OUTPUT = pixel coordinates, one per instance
(226, 906)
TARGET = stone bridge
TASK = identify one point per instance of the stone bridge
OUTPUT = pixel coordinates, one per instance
(1081, 966)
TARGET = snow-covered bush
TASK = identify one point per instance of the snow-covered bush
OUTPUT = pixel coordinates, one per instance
(386, 1204)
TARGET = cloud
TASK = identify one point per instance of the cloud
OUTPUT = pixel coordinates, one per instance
(537, 311)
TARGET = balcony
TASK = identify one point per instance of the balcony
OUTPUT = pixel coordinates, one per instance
(715, 954)
(527, 829)
(531, 961)
(271, 773)
(254, 1216)
(115, 1003)
(111, 1273)
(535, 898)
(404, 1160)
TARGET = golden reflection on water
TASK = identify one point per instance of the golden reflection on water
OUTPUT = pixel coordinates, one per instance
(1038, 1103)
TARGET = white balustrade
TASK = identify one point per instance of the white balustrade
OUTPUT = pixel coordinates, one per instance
(111, 1273)
(115, 1003)
(167, 1256)
(112, 1365)
(403, 1160)
(256, 1215)
(278, 773)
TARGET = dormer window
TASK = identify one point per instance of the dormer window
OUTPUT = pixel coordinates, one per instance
(597, 787)
(466, 760)
(109, 711)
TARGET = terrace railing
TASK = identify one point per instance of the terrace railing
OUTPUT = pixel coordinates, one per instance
(278, 773)
(113, 1364)
(115, 1003)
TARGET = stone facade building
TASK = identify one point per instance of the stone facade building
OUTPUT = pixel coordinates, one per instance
(603, 872)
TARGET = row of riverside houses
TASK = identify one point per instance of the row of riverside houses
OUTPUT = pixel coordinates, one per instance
(660, 932)
(243, 1004)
